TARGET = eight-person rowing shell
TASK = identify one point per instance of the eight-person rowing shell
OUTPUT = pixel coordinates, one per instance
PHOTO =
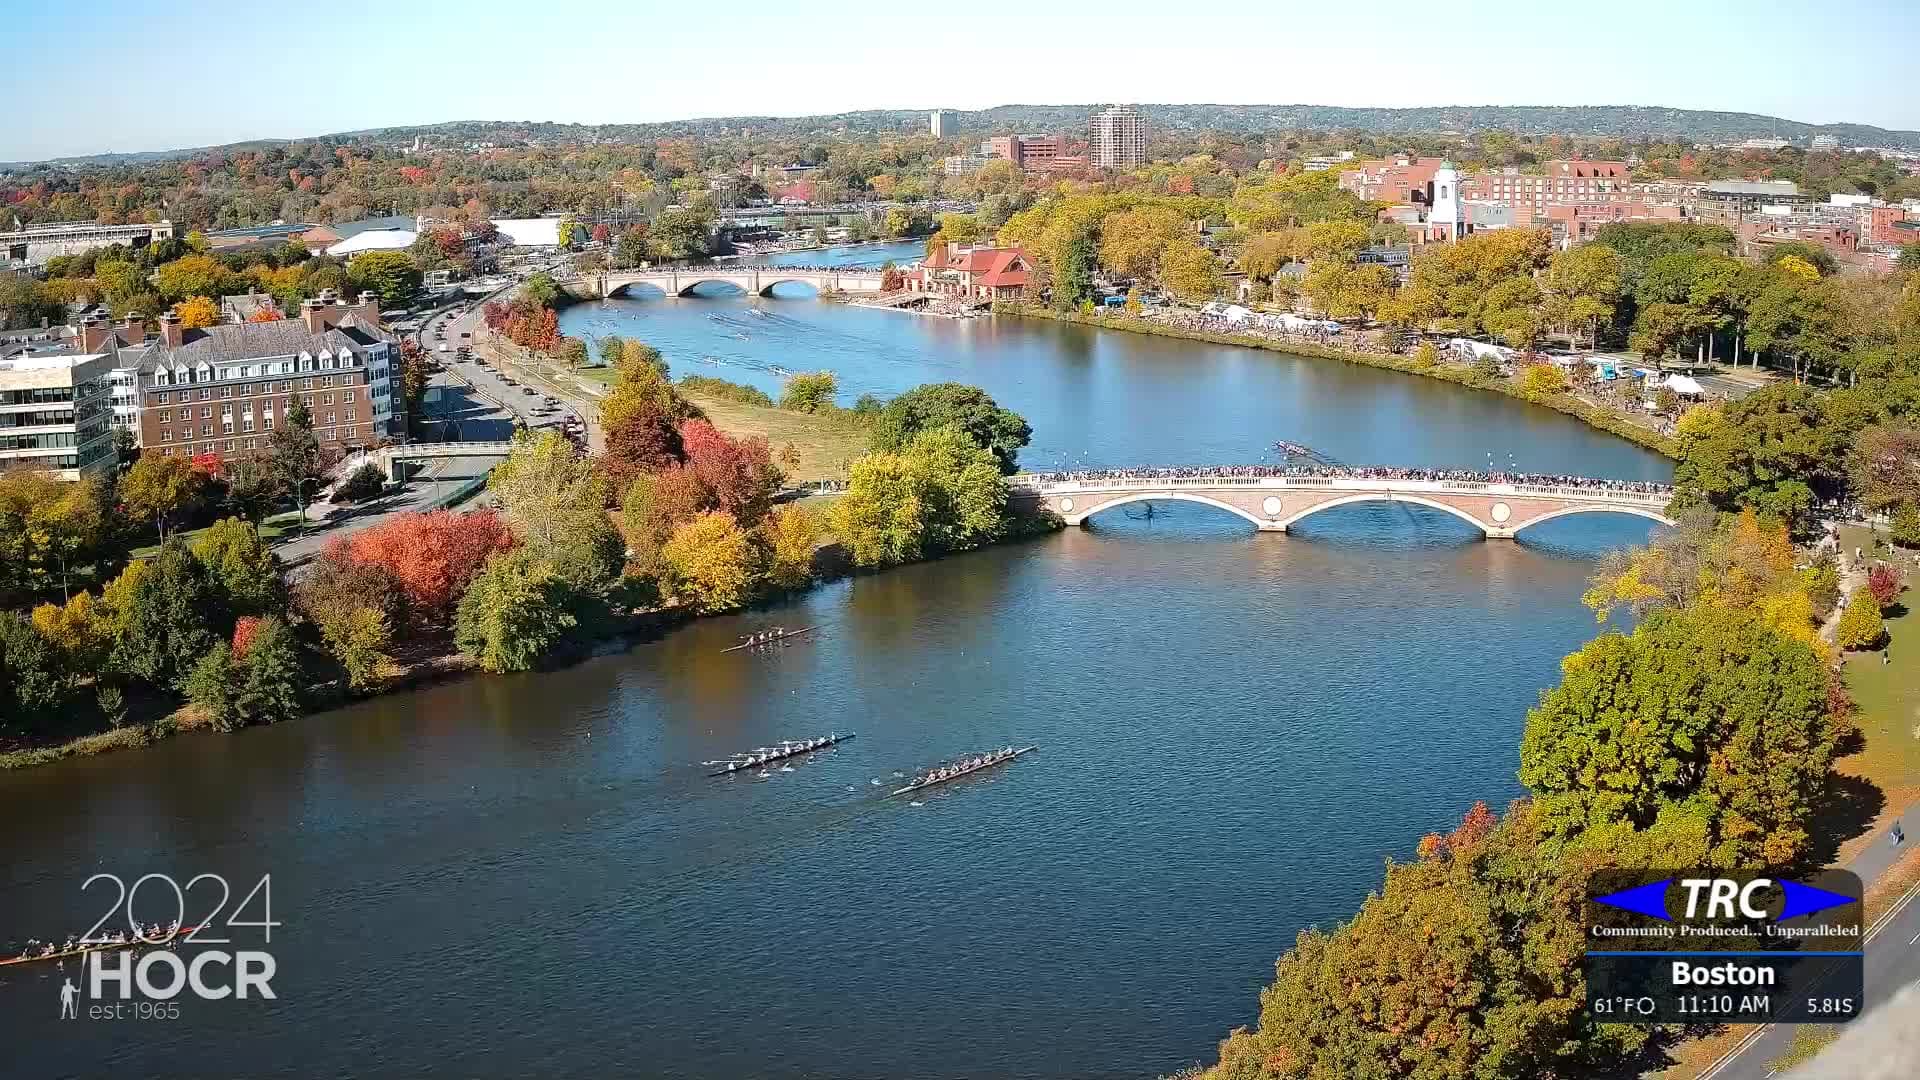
(965, 766)
(766, 755)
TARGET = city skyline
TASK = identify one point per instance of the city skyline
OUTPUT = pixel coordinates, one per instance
(408, 67)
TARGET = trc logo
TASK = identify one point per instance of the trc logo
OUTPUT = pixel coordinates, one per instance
(1726, 898)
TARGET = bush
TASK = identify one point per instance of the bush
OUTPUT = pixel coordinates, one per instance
(809, 392)
(726, 391)
(366, 482)
(1860, 625)
(1884, 582)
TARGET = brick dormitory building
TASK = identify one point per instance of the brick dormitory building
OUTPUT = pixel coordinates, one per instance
(221, 390)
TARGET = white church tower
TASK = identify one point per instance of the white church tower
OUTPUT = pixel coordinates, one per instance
(1446, 220)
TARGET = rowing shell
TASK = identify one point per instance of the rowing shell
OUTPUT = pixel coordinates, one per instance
(920, 785)
(102, 946)
(766, 641)
(780, 753)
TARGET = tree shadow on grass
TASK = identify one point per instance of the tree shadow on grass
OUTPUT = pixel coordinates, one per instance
(1852, 804)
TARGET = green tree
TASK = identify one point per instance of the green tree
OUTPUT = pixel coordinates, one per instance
(879, 519)
(213, 686)
(1861, 626)
(172, 615)
(293, 455)
(274, 681)
(33, 686)
(390, 275)
(245, 572)
(514, 613)
(963, 496)
(1905, 528)
(540, 290)
(935, 405)
(1702, 709)
(679, 234)
(1584, 289)
(809, 392)
(572, 352)
(547, 491)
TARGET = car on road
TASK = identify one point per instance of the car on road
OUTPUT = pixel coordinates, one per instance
(529, 391)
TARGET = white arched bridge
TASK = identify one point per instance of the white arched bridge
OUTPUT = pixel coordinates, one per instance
(757, 280)
(1498, 505)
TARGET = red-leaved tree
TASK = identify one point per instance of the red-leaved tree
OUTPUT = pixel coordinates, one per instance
(433, 556)
(1884, 583)
(739, 473)
(642, 440)
(244, 629)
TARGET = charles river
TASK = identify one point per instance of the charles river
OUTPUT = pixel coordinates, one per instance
(533, 876)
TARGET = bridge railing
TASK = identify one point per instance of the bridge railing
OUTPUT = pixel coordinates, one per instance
(1036, 486)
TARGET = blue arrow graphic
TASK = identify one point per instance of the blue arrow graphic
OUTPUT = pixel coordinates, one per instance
(1805, 900)
(1645, 900)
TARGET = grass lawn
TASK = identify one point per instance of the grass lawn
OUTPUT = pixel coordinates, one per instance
(605, 374)
(271, 529)
(1888, 697)
(826, 444)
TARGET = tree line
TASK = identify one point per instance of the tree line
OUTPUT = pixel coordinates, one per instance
(1704, 736)
(673, 513)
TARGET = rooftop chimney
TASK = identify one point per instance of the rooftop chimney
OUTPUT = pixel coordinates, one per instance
(313, 312)
(93, 335)
(367, 311)
(133, 328)
(172, 334)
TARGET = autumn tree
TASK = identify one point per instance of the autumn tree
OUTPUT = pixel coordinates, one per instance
(48, 527)
(1861, 626)
(197, 312)
(1189, 271)
(791, 534)
(738, 474)
(432, 556)
(356, 607)
(1883, 467)
(162, 489)
(711, 564)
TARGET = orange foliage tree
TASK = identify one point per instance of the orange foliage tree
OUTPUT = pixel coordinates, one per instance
(196, 312)
(433, 556)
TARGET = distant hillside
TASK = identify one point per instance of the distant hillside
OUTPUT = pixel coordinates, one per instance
(1613, 121)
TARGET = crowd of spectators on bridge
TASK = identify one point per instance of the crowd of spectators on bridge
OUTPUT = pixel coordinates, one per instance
(1350, 472)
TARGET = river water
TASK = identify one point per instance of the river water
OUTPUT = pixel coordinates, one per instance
(532, 876)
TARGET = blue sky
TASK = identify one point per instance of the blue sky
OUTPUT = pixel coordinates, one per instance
(243, 71)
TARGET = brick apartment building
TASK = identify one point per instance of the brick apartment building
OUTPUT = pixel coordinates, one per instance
(1395, 181)
(1559, 183)
(220, 390)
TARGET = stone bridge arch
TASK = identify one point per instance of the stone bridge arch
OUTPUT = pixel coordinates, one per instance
(1128, 498)
(1635, 511)
(1308, 511)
